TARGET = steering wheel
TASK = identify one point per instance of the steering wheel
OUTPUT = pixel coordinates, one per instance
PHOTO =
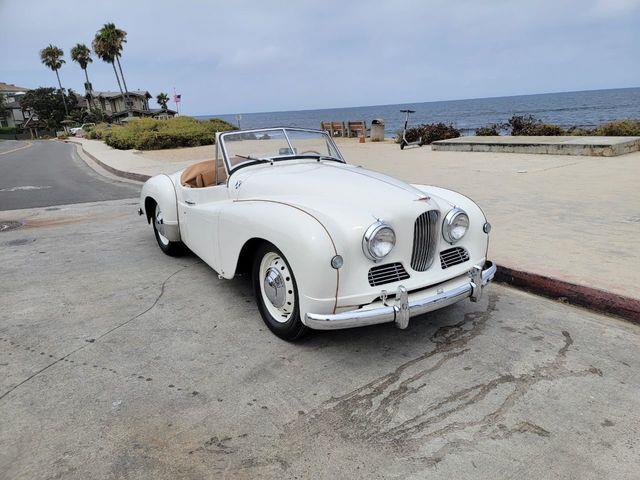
(310, 151)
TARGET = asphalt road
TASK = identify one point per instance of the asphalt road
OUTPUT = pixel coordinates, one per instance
(45, 173)
(117, 361)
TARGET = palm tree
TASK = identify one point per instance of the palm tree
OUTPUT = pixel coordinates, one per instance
(82, 56)
(162, 100)
(51, 56)
(108, 44)
(104, 52)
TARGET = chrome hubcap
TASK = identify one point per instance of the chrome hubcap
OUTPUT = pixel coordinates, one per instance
(160, 226)
(276, 286)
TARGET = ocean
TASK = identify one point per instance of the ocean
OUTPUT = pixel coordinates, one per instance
(582, 109)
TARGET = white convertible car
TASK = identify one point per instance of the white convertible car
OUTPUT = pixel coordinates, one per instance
(328, 245)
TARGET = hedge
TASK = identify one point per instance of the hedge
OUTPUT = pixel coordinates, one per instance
(152, 134)
(429, 133)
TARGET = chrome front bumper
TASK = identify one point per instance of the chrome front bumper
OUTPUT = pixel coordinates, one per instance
(402, 309)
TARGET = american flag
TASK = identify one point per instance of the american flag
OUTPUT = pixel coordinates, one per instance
(176, 97)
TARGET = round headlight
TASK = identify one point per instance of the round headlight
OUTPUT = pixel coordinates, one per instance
(456, 224)
(378, 241)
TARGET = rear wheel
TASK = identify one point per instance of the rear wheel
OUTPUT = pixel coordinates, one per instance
(173, 249)
(276, 292)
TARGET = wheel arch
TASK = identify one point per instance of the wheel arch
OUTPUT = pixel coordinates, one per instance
(149, 207)
(247, 254)
(304, 241)
(160, 190)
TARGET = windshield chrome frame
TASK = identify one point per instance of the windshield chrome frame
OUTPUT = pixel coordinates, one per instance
(275, 158)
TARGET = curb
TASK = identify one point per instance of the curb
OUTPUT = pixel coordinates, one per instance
(591, 298)
(139, 177)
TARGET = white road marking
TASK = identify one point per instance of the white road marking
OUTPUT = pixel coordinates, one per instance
(25, 187)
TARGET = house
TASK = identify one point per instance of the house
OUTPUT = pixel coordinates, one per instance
(113, 105)
(15, 115)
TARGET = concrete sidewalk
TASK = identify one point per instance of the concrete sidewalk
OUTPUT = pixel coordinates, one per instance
(131, 164)
(555, 145)
(572, 219)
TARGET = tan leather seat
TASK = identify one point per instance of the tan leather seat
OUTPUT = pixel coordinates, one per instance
(203, 174)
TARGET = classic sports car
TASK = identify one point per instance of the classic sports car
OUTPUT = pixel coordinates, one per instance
(329, 245)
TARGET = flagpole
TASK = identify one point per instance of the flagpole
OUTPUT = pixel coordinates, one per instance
(175, 100)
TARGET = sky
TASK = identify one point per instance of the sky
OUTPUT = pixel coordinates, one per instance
(254, 56)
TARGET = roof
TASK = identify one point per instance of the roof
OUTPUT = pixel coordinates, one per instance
(140, 93)
(10, 87)
(148, 113)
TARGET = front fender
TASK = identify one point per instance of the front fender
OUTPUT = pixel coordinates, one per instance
(300, 236)
(161, 190)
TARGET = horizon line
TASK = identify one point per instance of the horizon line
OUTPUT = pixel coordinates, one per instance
(417, 102)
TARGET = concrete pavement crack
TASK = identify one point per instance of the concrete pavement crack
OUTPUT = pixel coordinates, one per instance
(162, 289)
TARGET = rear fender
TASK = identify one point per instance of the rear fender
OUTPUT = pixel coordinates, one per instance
(161, 190)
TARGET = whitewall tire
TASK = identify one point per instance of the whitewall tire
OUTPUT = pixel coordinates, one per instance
(276, 292)
(173, 249)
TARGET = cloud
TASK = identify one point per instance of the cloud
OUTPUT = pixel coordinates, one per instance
(227, 57)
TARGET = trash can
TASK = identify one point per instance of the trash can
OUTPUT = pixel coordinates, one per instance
(377, 130)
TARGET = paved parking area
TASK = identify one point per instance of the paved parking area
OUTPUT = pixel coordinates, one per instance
(117, 361)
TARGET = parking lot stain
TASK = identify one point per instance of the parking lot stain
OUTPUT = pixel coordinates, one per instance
(389, 415)
(7, 225)
(370, 413)
(19, 242)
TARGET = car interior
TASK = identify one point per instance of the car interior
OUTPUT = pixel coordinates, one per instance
(203, 174)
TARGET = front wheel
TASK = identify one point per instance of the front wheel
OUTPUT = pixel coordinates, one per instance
(276, 292)
(173, 249)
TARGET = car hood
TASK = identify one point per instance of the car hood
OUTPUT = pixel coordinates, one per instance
(338, 191)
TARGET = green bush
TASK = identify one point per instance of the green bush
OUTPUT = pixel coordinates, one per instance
(9, 130)
(618, 128)
(432, 132)
(489, 130)
(152, 134)
(99, 131)
(428, 133)
(412, 134)
(528, 125)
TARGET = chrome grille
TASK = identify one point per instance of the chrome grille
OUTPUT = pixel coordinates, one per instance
(453, 256)
(382, 274)
(425, 231)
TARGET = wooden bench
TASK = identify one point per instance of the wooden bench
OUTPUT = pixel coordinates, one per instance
(335, 129)
(357, 129)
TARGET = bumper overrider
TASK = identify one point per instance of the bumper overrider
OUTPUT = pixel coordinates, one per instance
(402, 309)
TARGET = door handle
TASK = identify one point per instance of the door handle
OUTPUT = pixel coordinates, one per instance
(189, 202)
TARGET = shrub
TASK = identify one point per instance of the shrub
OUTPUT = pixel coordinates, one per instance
(489, 130)
(152, 134)
(9, 130)
(412, 134)
(428, 133)
(529, 125)
(618, 128)
(432, 132)
(99, 131)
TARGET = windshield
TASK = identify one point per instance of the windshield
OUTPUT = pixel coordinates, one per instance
(253, 146)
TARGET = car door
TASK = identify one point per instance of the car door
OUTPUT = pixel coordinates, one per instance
(200, 214)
